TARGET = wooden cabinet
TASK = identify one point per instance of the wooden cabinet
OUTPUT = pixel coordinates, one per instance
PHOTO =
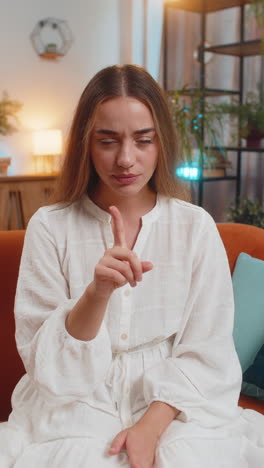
(21, 196)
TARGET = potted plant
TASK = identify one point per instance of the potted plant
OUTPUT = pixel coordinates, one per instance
(8, 110)
(192, 114)
(257, 9)
(248, 117)
(8, 115)
(247, 212)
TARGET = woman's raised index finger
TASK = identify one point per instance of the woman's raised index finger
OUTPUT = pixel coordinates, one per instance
(118, 227)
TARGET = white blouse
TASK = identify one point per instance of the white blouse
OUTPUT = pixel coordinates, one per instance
(186, 300)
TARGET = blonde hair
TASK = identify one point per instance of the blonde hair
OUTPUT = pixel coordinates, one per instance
(78, 175)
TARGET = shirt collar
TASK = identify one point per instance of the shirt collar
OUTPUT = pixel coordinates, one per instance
(105, 217)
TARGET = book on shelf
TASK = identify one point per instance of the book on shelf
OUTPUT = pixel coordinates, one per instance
(214, 172)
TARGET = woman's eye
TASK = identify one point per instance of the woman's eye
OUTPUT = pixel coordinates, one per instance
(107, 142)
(145, 140)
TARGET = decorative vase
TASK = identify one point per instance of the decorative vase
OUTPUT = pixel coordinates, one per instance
(51, 49)
(4, 163)
(254, 138)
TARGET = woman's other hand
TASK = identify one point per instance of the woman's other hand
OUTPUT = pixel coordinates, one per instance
(119, 265)
(139, 442)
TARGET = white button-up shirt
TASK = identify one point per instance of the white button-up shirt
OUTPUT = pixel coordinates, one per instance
(186, 301)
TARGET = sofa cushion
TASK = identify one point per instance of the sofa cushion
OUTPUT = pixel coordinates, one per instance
(253, 378)
(239, 238)
(248, 284)
(12, 369)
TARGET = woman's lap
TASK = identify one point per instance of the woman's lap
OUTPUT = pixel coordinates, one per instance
(200, 453)
(69, 453)
(89, 453)
(239, 444)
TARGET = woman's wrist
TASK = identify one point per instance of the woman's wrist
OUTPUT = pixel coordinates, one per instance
(92, 295)
(158, 416)
(84, 320)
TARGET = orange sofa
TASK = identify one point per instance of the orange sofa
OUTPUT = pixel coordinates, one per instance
(236, 237)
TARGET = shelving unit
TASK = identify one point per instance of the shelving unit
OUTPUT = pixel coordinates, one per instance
(199, 6)
(239, 49)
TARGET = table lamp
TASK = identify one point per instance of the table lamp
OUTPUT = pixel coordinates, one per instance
(47, 148)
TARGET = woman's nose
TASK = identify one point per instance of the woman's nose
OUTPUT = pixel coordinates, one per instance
(125, 157)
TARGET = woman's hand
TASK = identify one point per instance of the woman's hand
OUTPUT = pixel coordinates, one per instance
(140, 443)
(140, 440)
(119, 265)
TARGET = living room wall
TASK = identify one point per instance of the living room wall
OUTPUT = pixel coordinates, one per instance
(49, 90)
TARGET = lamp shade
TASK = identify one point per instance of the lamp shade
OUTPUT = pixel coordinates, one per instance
(47, 142)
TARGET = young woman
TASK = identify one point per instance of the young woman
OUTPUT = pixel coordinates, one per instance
(124, 306)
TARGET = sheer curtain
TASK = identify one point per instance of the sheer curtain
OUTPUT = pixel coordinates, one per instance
(141, 33)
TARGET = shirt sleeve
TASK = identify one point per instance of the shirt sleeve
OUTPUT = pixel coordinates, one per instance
(202, 378)
(62, 367)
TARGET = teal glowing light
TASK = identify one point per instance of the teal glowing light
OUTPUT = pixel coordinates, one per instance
(188, 172)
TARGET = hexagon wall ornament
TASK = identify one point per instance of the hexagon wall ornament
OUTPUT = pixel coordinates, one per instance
(51, 38)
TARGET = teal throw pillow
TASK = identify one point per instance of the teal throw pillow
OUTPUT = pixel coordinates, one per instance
(253, 378)
(248, 285)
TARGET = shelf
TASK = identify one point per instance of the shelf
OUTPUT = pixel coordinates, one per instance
(213, 179)
(210, 92)
(28, 177)
(239, 49)
(50, 55)
(210, 5)
(238, 148)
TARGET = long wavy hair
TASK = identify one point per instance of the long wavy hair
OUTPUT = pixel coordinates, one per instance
(78, 175)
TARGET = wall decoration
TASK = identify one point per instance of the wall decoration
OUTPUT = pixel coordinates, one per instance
(51, 38)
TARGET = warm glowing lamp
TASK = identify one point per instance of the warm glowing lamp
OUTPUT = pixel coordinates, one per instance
(47, 147)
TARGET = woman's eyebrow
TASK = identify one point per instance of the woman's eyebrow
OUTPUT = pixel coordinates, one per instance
(106, 131)
(144, 130)
(141, 131)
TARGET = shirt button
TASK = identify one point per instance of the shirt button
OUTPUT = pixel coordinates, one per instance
(124, 336)
(127, 292)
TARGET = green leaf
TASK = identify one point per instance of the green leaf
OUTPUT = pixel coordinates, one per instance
(8, 114)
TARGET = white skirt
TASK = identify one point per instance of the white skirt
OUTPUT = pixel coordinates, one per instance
(79, 434)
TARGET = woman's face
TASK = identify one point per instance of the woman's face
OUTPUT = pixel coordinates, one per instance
(124, 147)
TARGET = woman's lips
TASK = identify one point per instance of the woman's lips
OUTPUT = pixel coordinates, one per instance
(126, 178)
